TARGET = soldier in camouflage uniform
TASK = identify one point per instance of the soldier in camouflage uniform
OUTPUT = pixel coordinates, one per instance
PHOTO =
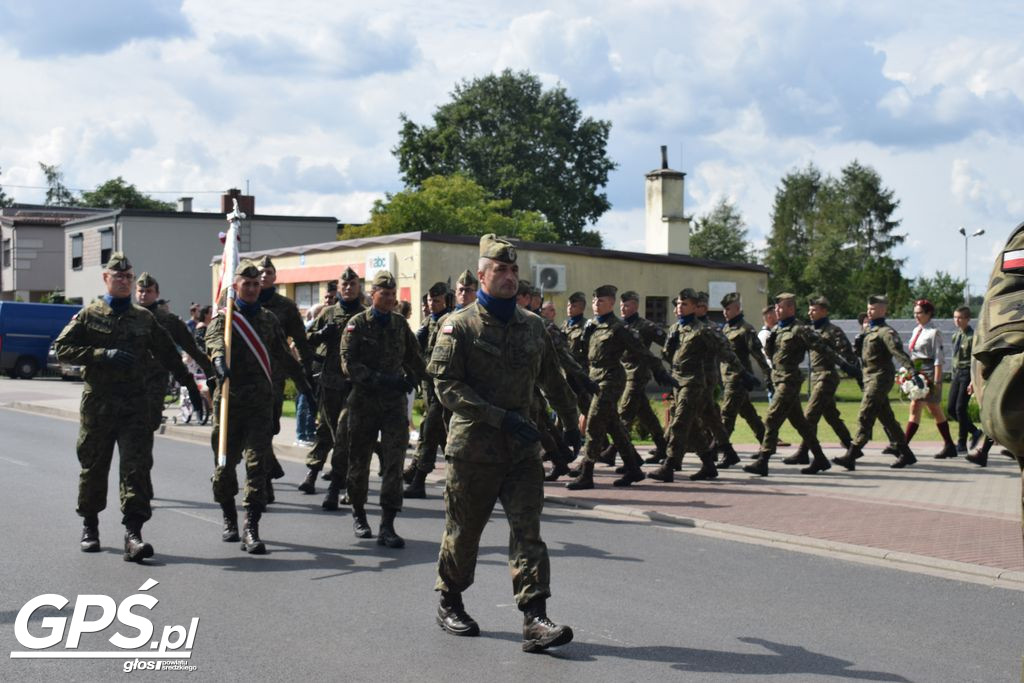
(257, 346)
(380, 356)
(634, 404)
(291, 324)
(147, 293)
(789, 342)
(881, 344)
(607, 342)
(486, 363)
(332, 390)
(736, 398)
(574, 327)
(111, 338)
(824, 379)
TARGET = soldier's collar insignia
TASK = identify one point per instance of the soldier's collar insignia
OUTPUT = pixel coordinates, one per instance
(1013, 261)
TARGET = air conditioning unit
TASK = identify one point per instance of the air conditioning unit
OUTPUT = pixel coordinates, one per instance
(549, 277)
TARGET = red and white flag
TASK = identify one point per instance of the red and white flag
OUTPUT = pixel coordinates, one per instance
(1013, 260)
(229, 261)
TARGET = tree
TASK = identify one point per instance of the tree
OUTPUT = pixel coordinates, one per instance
(4, 199)
(943, 290)
(721, 235)
(521, 143)
(119, 194)
(57, 194)
(452, 205)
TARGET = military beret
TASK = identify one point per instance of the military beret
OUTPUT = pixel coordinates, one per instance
(730, 298)
(702, 298)
(577, 297)
(467, 279)
(497, 248)
(606, 290)
(247, 268)
(878, 299)
(819, 300)
(629, 295)
(118, 261)
(783, 296)
(147, 280)
(524, 288)
(384, 280)
(688, 293)
(265, 262)
(332, 286)
(349, 275)
(437, 289)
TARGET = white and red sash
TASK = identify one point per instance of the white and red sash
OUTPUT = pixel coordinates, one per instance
(247, 332)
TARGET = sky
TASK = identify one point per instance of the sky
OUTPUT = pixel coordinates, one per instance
(301, 100)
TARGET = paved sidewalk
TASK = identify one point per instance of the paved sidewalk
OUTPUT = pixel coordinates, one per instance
(937, 516)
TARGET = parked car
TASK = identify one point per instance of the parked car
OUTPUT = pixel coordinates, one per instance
(67, 371)
(27, 332)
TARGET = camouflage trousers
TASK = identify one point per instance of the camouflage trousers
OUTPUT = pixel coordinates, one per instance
(471, 489)
(154, 407)
(785, 405)
(433, 431)
(250, 434)
(634, 406)
(108, 421)
(874, 405)
(822, 404)
(603, 421)
(369, 415)
(686, 429)
(331, 401)
(736, 403)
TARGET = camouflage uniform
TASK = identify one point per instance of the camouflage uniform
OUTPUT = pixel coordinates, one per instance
(825, 380)
(713, 378)
(689, 344)
(881, 345)
(574, 330)
(290, 319)
(634, 404)
(743, 340)
(432, 427)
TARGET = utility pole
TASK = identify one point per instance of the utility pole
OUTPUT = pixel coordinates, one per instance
(967, 282)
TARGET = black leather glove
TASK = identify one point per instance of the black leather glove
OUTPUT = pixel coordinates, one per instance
(221, 368)
(409, 384)
(211, 385)
(518, 426)
(665, 379)
(119, 358)
(750, 380)
(591, 386)
(198, 404)
(574, 440)
(329, 335)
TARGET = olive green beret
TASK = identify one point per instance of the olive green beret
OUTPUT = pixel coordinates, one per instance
(577, 297)
(438, 289)
(606, 290)
(348, 275)
(118, 261)
(730, 298)
(689, 293)
(629, 295)
(467, 279)
(497, 248)
(384, 280)
(525, 288)
(783, 296)
(702, 298)
(247, 268)
(878, 299)
(819, 300)
(265, 262)
(147, 280)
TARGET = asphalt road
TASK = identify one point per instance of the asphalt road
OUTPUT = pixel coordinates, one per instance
(647, 602)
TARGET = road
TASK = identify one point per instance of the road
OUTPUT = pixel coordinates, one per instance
(648, 602)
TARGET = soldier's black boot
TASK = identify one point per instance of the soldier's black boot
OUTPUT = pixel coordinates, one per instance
(308, 484)
(632, 473)
(230, 531)
(409, 473)
(585, 480)
(657, 456)
(891, 449)
(539, 632)
(729, 457)
(251, 542)
(800, 457)
(948, 451)
(906, 458)
(330, 501)
(607, 456)
(360, 527)
(135, 549)
(820, 462)
(980, 456)
(90, 534)
(558, 468)
(849, 459)
(387, 535)
(416, 488)
(708, 469)
(452, 617)
(759, 466)
(665, 473)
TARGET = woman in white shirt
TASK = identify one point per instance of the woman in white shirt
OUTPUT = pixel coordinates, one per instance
(926, 350)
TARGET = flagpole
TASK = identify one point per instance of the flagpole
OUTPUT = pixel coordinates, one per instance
(227, 274)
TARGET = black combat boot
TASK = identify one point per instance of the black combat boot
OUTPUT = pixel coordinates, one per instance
(135, 549)
(759, 466)
(416, 488)
(539, 632)
(891, 449)
(948, 451)
(387, 535)
(632, 473)
(980, 456)
(330, 501)
(90, 534)
(585, 480)
(800, 457)
(729, 457)
(409, 473)
(656, 456)
(230, 532)
(452, 617)
(607, 456)
(360, 527)
(251, 542)
(558, 468)
(820, 462)
(308, 484)
(906, 458)
(850, 458)
(665, 473)
(708, 469)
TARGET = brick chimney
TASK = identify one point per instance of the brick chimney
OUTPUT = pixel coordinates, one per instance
(246, 202)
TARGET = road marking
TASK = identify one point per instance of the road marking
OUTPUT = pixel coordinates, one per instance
(193, 515)
(13, 461)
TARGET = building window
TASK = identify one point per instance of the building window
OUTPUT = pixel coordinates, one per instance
(306, 294)
(106, 245)
(7, 253)
(656, 309)
(76, 252)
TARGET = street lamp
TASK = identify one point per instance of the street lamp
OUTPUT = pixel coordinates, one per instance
(967, 282)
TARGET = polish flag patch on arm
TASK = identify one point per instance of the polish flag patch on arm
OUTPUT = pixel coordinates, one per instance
(447, 329)
(1013, 260)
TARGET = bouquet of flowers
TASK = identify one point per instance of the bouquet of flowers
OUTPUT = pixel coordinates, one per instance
(913, 385)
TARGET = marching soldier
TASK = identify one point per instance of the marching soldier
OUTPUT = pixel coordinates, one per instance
(333, 389)
(487, 361)
(634, 404)
(959, 398)
(574, 328)
(736, 398)
(258, 345)
(881, 344)
(111, 338)
(147, 294)
(824, 379)
(380, 356)
(789, 343)
(712, 370)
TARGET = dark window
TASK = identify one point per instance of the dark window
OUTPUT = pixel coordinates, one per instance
(7, 253)
(76, 252)
(656, 309)
(106, 245)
